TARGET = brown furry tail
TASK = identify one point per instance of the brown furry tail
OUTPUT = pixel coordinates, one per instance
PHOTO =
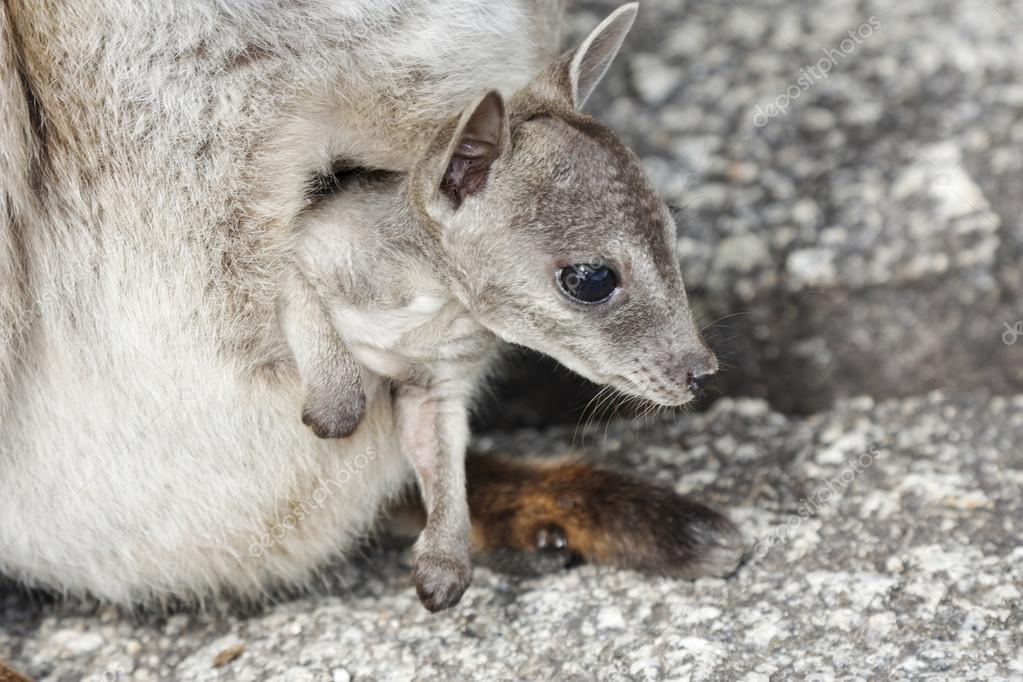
(530, 516)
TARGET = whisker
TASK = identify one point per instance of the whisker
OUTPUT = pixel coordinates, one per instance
(583, 415)
(721, 319)
(605, 405)
(607, 423)
(640, 408)
(602, 396)
(649, 410)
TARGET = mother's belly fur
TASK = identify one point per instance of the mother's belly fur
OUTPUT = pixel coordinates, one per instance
(230, 491)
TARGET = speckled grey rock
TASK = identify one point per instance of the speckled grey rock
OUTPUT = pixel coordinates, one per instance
(885, 544)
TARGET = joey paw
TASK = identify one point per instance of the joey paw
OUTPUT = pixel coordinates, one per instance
(333, 414)
(441, 580)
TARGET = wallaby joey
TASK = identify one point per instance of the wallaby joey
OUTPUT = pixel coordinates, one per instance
(525, 221)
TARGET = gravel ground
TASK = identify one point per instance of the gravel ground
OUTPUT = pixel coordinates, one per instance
(860, 234)
(885, 544)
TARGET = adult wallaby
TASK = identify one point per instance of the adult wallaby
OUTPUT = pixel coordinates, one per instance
(160, 324)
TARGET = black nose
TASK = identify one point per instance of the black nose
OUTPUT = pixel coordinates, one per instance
(698, 381)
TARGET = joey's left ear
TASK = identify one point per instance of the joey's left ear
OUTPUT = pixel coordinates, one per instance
(481, 136)
(591, 60)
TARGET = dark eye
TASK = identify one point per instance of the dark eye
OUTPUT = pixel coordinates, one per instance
(588, 283)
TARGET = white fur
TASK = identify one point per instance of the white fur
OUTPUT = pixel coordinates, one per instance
(150, 432)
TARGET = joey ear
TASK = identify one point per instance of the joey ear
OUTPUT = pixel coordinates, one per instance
(591, 60)
(481, 136)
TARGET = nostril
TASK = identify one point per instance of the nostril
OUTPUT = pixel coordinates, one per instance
(698, 381)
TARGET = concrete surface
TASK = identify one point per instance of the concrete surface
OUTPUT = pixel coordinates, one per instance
(863, 248)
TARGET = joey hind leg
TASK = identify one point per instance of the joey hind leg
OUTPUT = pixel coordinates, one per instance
(532, 517)
(334, 401)
(434, 432)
